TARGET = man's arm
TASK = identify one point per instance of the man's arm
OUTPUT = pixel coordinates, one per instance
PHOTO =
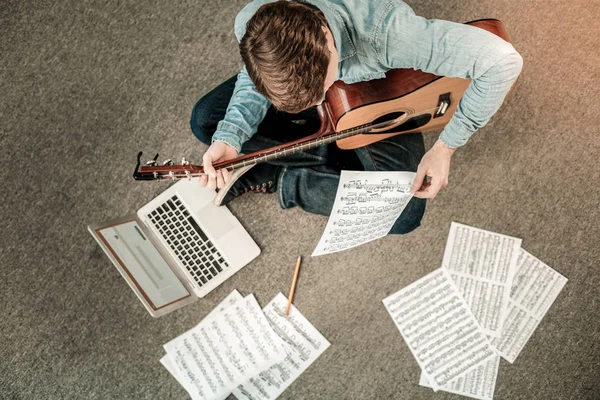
(246, 110)
(445, 48)
(455, 50)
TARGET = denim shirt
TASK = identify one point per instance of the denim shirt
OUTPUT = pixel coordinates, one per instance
(374, 36)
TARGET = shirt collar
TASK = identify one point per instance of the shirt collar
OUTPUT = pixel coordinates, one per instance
(339, 30)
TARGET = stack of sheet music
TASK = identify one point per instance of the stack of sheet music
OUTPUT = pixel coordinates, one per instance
(482, 304)
(239, 348)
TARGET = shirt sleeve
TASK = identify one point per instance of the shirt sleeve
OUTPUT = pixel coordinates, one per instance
(455, 50)
(247, 107)
(246, 110)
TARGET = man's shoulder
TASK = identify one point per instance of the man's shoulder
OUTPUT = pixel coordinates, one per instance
(356, 10)
(245, 14)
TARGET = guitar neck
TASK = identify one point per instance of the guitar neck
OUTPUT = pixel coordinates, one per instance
(290, 148)
(152, 171)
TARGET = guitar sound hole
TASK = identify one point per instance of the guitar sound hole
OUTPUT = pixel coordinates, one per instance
(388, 118)
(412, 123)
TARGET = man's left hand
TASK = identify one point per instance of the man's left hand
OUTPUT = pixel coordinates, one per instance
(434, 165)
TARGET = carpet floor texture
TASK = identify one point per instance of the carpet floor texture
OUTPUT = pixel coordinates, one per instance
(85, 85)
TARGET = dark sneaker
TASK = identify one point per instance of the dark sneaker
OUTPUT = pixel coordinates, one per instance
(261, 178)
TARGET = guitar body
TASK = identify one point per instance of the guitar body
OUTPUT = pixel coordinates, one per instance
(418, 108)
(418, 101)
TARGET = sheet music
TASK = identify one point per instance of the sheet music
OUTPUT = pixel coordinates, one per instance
(303, 343)
(225, 350)
(166, 361)
(439, 328)
(366, 206)
(480, 383)
(482, 265)
(534, 289)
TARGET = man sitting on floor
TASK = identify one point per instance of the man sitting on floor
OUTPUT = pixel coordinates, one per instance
(294, 51)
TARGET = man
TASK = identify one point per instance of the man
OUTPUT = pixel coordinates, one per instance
(294, 51)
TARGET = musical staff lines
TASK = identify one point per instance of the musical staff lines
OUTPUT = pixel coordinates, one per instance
(367, 205)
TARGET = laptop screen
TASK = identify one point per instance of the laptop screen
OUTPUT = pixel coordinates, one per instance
(142, 262)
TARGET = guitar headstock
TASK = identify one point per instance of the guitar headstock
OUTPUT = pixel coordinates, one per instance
(155, 171)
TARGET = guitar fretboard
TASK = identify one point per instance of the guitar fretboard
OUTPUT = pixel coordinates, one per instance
(309, 144)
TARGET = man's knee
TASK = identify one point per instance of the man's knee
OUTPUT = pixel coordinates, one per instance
(200, 121)
(410, 219)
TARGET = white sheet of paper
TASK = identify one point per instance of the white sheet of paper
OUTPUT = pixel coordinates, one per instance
(480, 383)
(439, 328)
(482, 265)
(226, 302)
(225, 350)
(303, 342)
(534, 289)
(367, 204)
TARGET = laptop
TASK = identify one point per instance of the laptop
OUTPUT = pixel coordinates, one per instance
(177, 248)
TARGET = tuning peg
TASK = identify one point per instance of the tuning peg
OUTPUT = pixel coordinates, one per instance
(168, 162)
(184, 161)
(151, 163)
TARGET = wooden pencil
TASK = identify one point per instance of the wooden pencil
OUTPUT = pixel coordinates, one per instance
(291, 296)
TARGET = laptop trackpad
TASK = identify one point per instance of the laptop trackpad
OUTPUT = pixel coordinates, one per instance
(215, 222)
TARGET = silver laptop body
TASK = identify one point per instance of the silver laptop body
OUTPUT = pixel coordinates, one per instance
(178, 247)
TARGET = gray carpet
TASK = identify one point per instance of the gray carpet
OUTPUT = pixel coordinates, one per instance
(85, 85)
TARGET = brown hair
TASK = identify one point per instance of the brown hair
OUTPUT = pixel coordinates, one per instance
(285, 52)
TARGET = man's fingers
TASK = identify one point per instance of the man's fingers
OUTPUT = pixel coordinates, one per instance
(220, 182)
(226, 175)
(212, 183)
(207, 164)
(418, 182)
(203, 180)
(430, 192)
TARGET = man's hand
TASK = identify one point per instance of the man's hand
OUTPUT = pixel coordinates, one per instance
(435, 164)
(217, 152)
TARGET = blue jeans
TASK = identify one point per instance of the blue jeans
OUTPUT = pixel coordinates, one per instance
(309, 179)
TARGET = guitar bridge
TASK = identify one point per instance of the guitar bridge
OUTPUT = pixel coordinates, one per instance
(442, 106)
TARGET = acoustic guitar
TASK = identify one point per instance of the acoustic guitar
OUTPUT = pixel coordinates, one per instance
(355, 115)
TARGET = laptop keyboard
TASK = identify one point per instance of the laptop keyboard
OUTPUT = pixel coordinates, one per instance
(191, 245)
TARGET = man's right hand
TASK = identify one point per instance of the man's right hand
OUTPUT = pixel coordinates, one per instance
(217, 152)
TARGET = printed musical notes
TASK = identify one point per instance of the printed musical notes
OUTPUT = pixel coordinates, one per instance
(366, 206)
(487, 285)
(225, 350)
(534, 289)
(482, 265)
(479, 383)
(439, 328)
(301, 342)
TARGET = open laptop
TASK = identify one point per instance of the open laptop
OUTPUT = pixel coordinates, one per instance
(178, 247)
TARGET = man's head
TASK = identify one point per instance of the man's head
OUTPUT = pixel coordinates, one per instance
(290, 54)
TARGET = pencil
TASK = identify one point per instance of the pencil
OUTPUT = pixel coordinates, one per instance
(291, 296)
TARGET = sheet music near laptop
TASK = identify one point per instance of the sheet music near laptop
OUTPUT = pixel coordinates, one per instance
(167, 362)
(302, 342)
(367, 204)
(225, 350)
